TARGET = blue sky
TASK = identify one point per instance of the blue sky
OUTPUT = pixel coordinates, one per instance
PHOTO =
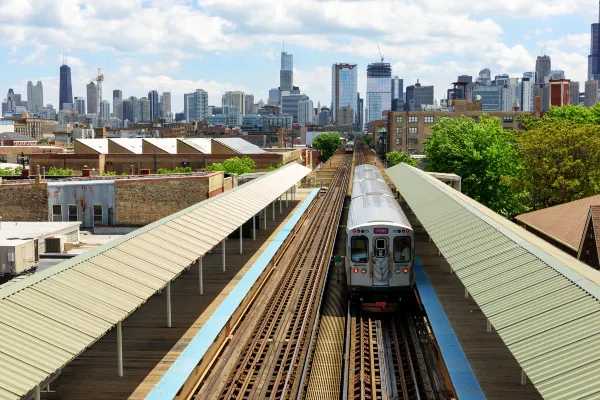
(220, 45)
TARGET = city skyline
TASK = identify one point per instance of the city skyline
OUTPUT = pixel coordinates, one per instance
(485, 36)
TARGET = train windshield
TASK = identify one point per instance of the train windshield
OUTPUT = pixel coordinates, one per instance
(359, 248)
(402, 250)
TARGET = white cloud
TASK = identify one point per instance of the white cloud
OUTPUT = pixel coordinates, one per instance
(270, 54)
(36, 57)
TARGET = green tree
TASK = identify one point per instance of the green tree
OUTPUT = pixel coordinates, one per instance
(274, 167)
(397, 157)
(368, 139)
(8, 171)
(571, 114)
(53, 171)
(327, 144)
(234, 165)
(561, 160)
(484, 155)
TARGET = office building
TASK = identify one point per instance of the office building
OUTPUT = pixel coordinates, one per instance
(418, 96)
(542, 68)
(117, 107)
(560, 92)
(591, 93)
(196, 106)
(324, 116)
(127, 110)
(379, 90)
(344, 88)
(35, 96)
(594, 57)
(165, 105)
(92, 98)
(144, 104)
(234, 99)
(65, 90)
(305, 112)
(274, 96)
(360, 118)
(397, 88)
(104, 116)
(509, 92)
(488, 96)
(80, 105)
(289, 104)
(233, 116)
(485, 77)
(574, 96)
(154, 109)
(286, 74)
(249, 100)
(346, 116)
(526, 98)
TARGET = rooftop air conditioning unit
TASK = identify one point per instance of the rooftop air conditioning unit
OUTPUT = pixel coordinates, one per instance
(55, 244)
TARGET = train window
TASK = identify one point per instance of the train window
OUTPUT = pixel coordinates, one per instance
(359, 248)
(402, 250)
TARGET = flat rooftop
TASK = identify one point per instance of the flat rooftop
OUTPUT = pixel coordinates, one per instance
(30, 230)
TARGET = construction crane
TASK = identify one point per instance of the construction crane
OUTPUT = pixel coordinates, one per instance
(381, 55)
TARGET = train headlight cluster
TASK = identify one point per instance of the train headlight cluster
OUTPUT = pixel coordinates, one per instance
(363, 271)
(401, 231)
(397, 271)
(403, 270)
(361, 231)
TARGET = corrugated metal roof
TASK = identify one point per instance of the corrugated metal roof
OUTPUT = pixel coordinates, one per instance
(563, 223)
(201, 144)
(48, 319)
(240, 145)
(98, 145)
(375, 209)
(132, 144)
(169, 145)
(543, 303)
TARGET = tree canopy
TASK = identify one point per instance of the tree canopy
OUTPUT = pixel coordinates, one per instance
(571, 114)
(484, 155)
(234, 165)
(9, 171)
(397, 157)
(368, 139)
(561, 160)
(327, 144)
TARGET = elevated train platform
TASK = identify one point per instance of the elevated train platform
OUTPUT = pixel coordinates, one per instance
(524, 312)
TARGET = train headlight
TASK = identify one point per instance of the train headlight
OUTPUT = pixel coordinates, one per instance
(397, 271)
(363, 271)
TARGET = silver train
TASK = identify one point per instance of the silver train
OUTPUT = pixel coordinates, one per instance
(349, 147)
(380, 244)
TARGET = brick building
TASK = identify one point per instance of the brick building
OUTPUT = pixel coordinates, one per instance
(16, 139)
(35, 128)
(560, 92)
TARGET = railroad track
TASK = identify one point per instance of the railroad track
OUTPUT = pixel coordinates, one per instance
(266, 355)
(391, 358)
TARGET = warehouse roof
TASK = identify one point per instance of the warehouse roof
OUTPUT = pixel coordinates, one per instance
(240, 145)
(98, 145)
(563, 223)
(203, 145)
(134, 145)
(78, 301)
(19, 229)
(168, 145)
(543, 303)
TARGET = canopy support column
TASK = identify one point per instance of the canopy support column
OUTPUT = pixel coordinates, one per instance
(523, 378)
(169, 304)
(37, 393)
(273, 210)
(201, 277)
(286, 198)
(223, 245)
(119, 349)
(280, 208)
(265, 217)
(254, 227)
(489, 326)
(466, 293)
(241, 240)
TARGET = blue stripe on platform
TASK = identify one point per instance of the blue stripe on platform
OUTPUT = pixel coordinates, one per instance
(177, 374)
(462, 375)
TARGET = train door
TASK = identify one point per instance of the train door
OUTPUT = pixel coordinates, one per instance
(381, 267)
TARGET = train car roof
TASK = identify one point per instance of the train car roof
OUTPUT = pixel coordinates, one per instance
(362, 175)
(365, 167)
(371, 186)
(373, 209)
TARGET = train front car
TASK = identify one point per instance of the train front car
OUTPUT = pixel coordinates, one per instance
(380, 247)
(349, 147)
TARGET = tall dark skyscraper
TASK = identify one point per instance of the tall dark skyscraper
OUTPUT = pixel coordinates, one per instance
(286, 74)
(542, 68)
(154, 109)
(65, 91)
(594, 57)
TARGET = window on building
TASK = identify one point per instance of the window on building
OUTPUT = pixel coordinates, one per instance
(57, 213)
(413, 120)
(413, 131)
(398, 120)
(508, 118)
(98, 214)
(398, 131)
(73, 215)
(413, 141)
(429, 119)
(397, 141)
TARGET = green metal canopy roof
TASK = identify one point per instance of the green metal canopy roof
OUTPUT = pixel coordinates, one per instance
(543, 303)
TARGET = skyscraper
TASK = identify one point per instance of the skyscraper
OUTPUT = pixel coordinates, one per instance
(235, 99)
(153, 99)
(92, 98)
(344, 87)
(249, 100)
(144, 109)
(542, 68)
(485, 77)
(117, 106)
(80, 105)
(196, 105)
(594, 57)
(286, 74)
(305, 112)
(417, 96)
(397, 88)
(35, 96)
(574, 97)
(360, 119)
(165, 105)
(65, 91)
(104, 111)
(591, 93)
(379, 90)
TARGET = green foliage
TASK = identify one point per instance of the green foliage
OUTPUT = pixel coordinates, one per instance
(327, 144)
(53, 171)
(570, 114)
(177, 170)
(109, 173)
(43, 141)
(274, 167)
(484, 155)
(561, 158)
(8, 171)
(234, 165)
(368, 139)
(397, 157)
